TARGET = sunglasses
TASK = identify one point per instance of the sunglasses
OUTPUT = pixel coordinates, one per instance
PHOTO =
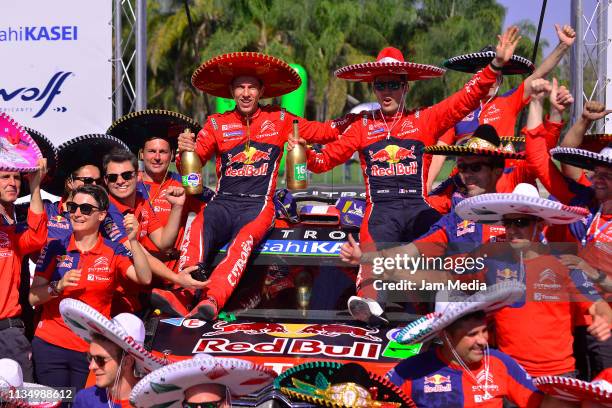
(390, 85)
(86, 209)
(472, 167)
(126, 175)
(517, 222)
(87, 180)
(99, 360)
(214, 404)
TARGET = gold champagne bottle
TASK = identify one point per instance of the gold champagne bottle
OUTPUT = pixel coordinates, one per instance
(191, 172)
(295, 164)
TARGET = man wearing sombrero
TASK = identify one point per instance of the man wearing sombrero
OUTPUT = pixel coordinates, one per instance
(554, 291)
(390, 144)
(116, 355)
(463, 371)
(202, 381)
(499, 111)
(248, 143)
(594, 232)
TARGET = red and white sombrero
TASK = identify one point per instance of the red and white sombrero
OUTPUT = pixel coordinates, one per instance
(571, 389)
(524, 199)
(166, 386)
(390, 61)
(18, 151)
(34, 395)
(216, 75)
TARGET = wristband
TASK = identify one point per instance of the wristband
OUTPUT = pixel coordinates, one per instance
(495, 67)
(53, 290)
(601, 276)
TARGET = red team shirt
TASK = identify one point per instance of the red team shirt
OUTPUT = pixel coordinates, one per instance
(13, 247)
(101, 268)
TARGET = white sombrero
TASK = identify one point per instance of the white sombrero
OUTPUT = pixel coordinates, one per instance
(166, 387)
(585, 159)
(390, 61)
(11, 383)
(571, 389)
(452, 305)
(125, 330)
(490, 208)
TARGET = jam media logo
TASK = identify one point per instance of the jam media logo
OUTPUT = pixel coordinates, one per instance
(41, 97)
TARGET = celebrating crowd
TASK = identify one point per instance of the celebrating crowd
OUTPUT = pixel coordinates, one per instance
(123, 241)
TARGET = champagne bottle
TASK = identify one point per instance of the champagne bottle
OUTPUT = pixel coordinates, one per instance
(191, 172)
(296, 164)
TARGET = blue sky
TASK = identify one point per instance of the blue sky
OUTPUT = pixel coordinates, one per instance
(557, 11)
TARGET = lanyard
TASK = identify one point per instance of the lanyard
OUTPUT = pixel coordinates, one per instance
(592, 237)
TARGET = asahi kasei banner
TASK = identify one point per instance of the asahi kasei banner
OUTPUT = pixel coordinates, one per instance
(56, 74)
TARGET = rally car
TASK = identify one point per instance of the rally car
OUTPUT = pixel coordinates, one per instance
(290, 306)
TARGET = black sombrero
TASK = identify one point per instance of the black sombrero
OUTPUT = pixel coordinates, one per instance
(49, 152)
(333, 384)
(484, 142)
(584, 159)
(135, 128)
(475, 61)
(75, 153)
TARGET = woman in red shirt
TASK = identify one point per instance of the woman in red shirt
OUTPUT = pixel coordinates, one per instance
(84, 266)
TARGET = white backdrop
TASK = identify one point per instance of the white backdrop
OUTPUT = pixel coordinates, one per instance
(56, 71)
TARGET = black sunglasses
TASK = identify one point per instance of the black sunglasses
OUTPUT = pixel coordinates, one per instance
(473, 167)
(390, 85)
(517, 222)
(99, 360)
(215, 404)
(87, 180)
(86, 209)
(126, 175)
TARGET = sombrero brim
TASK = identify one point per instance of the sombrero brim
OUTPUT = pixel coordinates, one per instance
(571, 389)
(18, 150)
(135, 128)
(583, 159)
(452, 150)
(368, 71)
(308, 372)
(48, 151)
(28, 402)
(83, 320)
(494, 298)
(475, 61)
(166, 386)
(518, 142)
(75, 153)
(215, 76)
(490, 208)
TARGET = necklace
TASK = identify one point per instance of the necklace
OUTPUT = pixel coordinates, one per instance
(469, 371)
(398, 114)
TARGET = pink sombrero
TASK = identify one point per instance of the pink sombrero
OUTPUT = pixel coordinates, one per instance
(125, 330)
(18, 151)
(525, 199)
(216, 75)
(390, 61)
(571, 389)
(166, 386)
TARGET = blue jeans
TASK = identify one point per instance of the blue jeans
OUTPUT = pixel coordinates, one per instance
(59, 367)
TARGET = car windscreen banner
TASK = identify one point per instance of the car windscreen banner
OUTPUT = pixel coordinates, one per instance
(57, 65)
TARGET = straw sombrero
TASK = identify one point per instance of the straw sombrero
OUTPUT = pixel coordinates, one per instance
(483, 142)
(571, 389)
(452, 305)
(390, 61)
(18, 151)
(475, 61)
(135, 128)
(333, 384)
(166, 386)
(11, 383)
(525, 199)
(216, 75)
(77, 152)
(125, 330)
(581, 158)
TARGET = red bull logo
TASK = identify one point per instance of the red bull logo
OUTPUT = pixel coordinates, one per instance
(222, 328)
(335, 330)
(437, 383)
(248, 158)
(393, 155)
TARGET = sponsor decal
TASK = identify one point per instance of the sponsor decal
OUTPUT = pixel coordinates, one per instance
(230, 126)
(39, 33)
(240, 265)
(64, 261)
(437, 383)
(44, 94)
(506, 274)
(465, 227)
(393, 155)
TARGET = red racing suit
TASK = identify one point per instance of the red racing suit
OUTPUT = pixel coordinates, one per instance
(248, 153)
(392, 161)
